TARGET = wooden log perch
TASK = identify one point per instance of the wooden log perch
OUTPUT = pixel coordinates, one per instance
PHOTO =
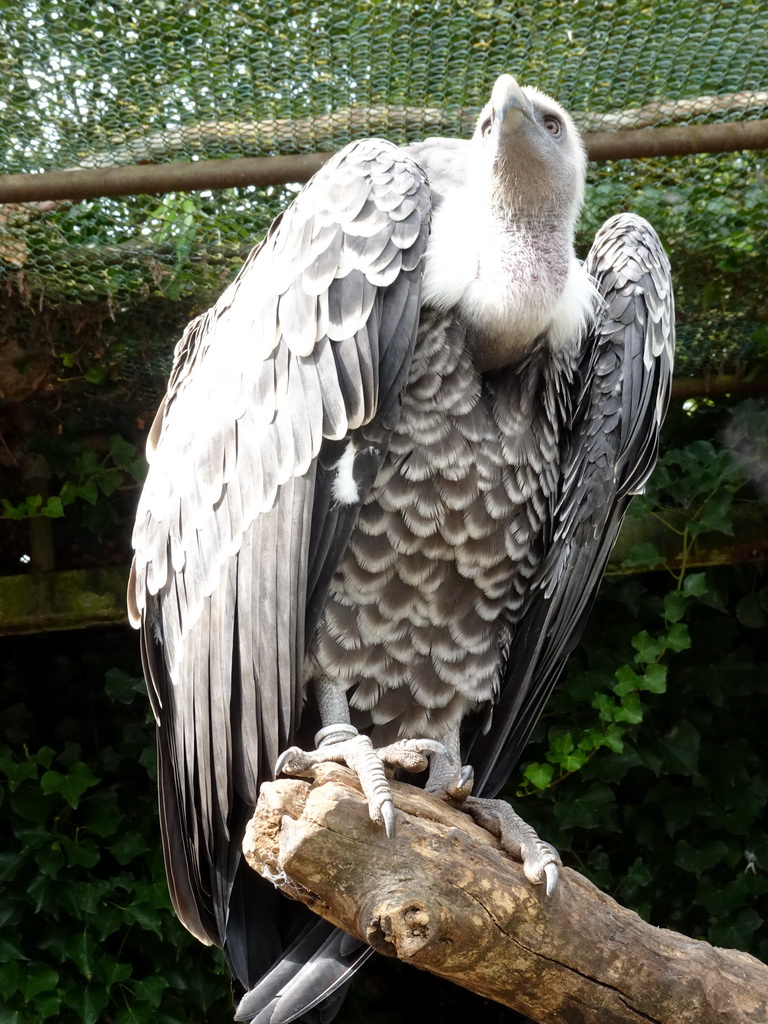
(443, 896)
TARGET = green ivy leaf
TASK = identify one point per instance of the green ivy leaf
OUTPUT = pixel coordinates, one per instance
(648, 648)
(132, 845)
(103, 813)
(627, 681)
(53, 508)
(538, 774)
(631, 709)
(123, 687)
(714, 516)
(94, 1001)
(10, 979)
(83, 899)
(44, 756)
(88, 491)
(121, 451)
(10, 511)
(29, 802)
(137, 469)
(613, 739)
(72, 785)
(11, 951)
(147, 917)
(87, 1001)
(678, 637)
(639, 874)
(606, 705)
(721, 900)
(47, 1006)
(83, 853)
(675, 604)
(695, 584)
(50, 859)
(37, 978)
(95, 375)
(750, 612)
(17, 772)
(588, 809)
(98, 518)
(110, 480)
(141, 1014)
(69, 492)
(698, 859)
(644, 555)
(81, 950)
(113, 972)
(150, 989)
(736, 933)
(37, 892)
(654, 679)
(590, 739)
(33, 838)
(108, 920)
(561, 746)
(9, 864)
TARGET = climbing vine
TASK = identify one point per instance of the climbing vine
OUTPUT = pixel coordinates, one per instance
(86, 477)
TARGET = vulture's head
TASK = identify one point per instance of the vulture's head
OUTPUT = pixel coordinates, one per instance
(534, 154)
(501, 247)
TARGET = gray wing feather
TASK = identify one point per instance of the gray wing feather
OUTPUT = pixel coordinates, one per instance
(311, 341)
(620, 394)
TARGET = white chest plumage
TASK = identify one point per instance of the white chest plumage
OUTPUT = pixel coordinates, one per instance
(510, 283)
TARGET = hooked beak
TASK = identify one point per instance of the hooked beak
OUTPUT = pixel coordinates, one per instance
(509, 104)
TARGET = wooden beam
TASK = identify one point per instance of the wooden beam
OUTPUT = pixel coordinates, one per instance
(143, 179)
(49, 601)
(41, 602)
(677, 140)
(748, 543)
(188, 176)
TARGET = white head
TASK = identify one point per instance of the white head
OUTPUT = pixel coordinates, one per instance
(534, 155)
(501, 248)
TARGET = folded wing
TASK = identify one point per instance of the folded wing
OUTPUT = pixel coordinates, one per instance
(620, 393)
(240, 523)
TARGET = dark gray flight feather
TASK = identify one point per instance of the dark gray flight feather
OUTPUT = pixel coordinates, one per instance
(238, 485)
(395, 453)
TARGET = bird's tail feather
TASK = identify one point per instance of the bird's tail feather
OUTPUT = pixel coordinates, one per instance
(309, 981)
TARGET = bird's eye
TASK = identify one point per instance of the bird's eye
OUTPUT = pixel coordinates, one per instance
(552, 125)
(485, 127)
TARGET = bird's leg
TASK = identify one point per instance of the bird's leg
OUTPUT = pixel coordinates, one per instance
(541, 862)
(448, 778)
(339, 741)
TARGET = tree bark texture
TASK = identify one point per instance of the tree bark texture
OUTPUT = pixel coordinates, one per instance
(444, 897)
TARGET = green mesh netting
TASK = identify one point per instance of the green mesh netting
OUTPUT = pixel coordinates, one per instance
(90, 84)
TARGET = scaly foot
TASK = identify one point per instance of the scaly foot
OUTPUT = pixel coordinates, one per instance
(541, 862)
(343, 745)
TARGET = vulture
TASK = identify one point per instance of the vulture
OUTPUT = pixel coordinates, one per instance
(384, 482)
